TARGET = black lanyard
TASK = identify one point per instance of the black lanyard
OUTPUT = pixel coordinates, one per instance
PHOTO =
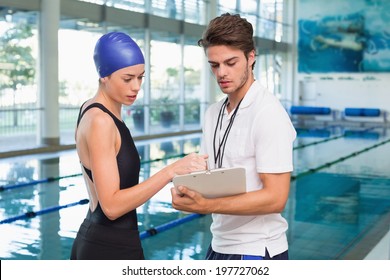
(218, 155)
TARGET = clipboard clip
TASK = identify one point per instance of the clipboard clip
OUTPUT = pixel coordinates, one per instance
(207, 168)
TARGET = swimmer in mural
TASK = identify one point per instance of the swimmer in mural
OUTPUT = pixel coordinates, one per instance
(342, 33)
(357, 42)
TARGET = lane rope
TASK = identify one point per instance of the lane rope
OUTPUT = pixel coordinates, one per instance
(328, 164)
(161, 228)
(144, 234)
(33, 214)
(52, 179)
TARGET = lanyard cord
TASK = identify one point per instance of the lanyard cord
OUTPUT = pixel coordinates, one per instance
(215, 131)
(218, 156)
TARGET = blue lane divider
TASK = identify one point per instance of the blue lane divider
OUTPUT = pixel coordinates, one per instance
(155, 230)
(51, 179)
(328, 164)
(145, 234)
(32, 214)
(362, 112)
(36, 182)
(313, 132)
(174, 223)
(361, 134)
(166, 226)
(309, 110)
(345, 134)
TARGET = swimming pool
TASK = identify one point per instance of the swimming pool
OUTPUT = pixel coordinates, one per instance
(338, 208)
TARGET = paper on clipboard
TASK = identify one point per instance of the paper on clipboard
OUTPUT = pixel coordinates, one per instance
(214, 183)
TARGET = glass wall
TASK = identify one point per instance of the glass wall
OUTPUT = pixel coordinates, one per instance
(174, 93)
(175, 82)
(193, 11)
(271, 24)
(18, 77)
(193, 90)
(78, 80)
(268, 71)
(165, 73)
(266, 16)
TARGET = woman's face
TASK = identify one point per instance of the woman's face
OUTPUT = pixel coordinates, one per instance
(124, 84)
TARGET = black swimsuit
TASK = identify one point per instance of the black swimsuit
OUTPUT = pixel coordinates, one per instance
(98, 236)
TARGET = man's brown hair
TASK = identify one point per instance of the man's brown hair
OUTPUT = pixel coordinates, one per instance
(229, 30)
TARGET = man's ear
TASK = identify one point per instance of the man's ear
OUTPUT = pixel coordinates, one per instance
(251, 57)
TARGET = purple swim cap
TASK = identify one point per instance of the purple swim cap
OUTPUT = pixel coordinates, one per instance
(114, 51)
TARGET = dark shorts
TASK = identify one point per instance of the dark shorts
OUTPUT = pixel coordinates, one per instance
(212, 255)
(99, 242)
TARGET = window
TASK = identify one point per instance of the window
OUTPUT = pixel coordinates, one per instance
(18, 72)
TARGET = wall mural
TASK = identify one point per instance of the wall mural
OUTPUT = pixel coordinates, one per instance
(343, 36)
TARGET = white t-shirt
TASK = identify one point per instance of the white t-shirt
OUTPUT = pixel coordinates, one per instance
(260, 140)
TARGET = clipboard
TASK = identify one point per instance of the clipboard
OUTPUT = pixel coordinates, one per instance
(214, 183)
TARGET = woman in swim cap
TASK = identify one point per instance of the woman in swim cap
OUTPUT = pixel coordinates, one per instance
(109, 158)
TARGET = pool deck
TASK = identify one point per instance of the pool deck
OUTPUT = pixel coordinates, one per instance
(382, 250)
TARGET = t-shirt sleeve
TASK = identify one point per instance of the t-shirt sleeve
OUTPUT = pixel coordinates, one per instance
(274, 138)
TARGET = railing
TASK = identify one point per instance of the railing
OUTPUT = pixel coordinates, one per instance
(19, 127)
(16, 121)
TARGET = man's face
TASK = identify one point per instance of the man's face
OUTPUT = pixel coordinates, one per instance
(230, 67)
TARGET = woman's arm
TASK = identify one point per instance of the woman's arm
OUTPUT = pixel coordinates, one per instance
(102, 141)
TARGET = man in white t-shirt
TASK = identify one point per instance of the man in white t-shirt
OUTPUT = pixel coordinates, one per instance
(250, 129)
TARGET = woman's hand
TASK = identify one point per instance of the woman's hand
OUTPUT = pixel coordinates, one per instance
(188, 164)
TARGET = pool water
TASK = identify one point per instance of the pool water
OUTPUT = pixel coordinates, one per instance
(338, 208)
